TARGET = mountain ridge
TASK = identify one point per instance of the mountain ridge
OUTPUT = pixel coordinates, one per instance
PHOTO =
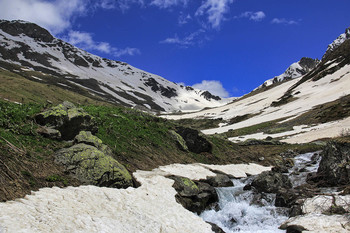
(27, 44)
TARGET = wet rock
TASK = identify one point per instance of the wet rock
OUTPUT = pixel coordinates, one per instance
(67, 119)
(195, 197)
(215, 228)
(220, 180)
(93, 165)
(334, 167)
(195, 142)
(271, 182)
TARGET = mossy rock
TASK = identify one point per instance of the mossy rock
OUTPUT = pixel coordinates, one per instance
(180, 142)
(92, 166)
(86, 137)
(67, 119)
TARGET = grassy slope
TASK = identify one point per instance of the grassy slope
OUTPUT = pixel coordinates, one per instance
(139, 140)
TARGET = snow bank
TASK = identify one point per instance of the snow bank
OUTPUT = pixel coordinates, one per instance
(149, 208)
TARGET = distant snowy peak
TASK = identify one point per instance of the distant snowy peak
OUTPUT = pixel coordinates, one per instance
(30, 46)
(337, 42)
(295, 70)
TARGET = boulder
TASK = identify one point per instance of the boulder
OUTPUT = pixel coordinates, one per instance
(93, 164)
(49, 132)
(195, 197)
(180, 142)
(334, 167)
(220, 180)
(195, 143)
(271, 182)
(67, 119)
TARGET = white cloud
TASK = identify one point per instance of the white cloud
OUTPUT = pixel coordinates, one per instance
(192, 39)
(169, 3)
(184, 19)
(215, 11)
(121, 4)
(84, 40)
(56, 16)
(213, 86)
(283, 21)
(255, 16)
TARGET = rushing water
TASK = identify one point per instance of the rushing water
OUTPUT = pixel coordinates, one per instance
(237, 211)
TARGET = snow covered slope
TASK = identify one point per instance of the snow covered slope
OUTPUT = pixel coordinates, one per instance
(327, 82)
(295, 70)
(337, 42)
(33, 47)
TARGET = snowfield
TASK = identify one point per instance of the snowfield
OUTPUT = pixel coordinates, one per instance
(149, 208)
(307, 95)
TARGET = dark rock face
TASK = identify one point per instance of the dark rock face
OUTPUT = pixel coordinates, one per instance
(165, 91)
(271, 182)
(194, 196)
(67, 119)
(216, 228)
(195, 142)
(15, 28)
(208, 96)
(334, 167)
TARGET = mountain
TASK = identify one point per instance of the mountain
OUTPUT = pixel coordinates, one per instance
(35, 49)
(337, 42)
(295, 70)
(313, 106)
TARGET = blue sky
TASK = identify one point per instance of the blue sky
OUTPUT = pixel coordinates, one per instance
(235, 45)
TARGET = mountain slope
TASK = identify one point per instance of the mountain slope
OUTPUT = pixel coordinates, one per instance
(315, 105)
(295, 70)
(34, 48)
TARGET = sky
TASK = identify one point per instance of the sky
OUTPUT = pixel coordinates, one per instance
(228, 47)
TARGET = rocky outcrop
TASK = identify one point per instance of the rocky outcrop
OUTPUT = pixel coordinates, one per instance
(334, 167)
(91, 162)
(67, 119)
(194, 196)
(220, 180)
(207, 95)
(180, 142)
(195, 142)
(271, 182)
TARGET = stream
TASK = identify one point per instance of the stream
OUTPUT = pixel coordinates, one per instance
(236, 213)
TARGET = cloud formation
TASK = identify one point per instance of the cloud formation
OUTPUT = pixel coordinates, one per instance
(123, 5)
(215, 11)
(213, 86)
(85, 41)
(283, 21)
(169, 3)
(56, 16)
(254, 16)
(194, 38)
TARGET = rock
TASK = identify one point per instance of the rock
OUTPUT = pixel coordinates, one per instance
(215, 228)
(326, 204)
(87, 138)
(285, 198)
(220, 180)
(49, 132)
(93, 166)
(271, 182)
(180, 142)
(195, 142)
(315, 223)
(192, 196)
(67, 119)
(334, 167)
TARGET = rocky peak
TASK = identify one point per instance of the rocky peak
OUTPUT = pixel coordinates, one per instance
(308, 63)
(337, 42)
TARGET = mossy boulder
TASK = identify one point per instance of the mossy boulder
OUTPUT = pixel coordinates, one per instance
(92, 165)
(86, 137)
(180, 142)
(271, 182)
(68, 119)
(194, 196)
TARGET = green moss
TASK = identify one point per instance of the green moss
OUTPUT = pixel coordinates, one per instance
(189, 183)
(87, 138)
(181, 142)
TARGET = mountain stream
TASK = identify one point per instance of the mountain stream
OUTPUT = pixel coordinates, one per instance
(242, 211)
